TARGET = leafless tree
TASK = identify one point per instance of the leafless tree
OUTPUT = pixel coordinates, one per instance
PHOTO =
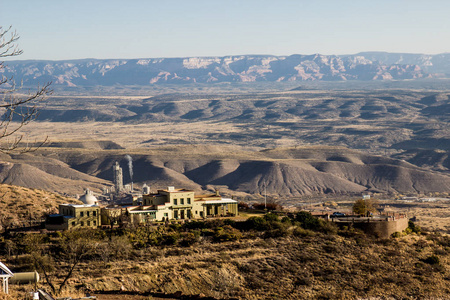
(74, 247)
(16, 109)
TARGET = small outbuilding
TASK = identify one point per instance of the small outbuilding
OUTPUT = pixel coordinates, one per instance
(5, 274)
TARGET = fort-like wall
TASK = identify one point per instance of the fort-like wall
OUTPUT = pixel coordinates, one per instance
(383, 228)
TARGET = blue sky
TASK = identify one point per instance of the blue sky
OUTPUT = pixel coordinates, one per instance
(69, 29)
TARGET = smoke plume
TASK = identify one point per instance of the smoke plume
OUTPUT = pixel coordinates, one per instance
(130, 166)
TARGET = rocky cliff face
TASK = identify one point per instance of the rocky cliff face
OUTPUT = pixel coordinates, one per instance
(247, 68)
(438, 64)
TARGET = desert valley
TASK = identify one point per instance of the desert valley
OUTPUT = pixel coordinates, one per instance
(315, 147)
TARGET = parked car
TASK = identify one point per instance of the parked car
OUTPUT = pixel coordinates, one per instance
(337, 214)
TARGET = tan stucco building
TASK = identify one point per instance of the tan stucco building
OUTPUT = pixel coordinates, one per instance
(74, 216)
(168, 204)
(181, 204)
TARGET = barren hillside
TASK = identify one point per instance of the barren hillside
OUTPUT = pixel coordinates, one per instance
(284, 172)
(19, 205)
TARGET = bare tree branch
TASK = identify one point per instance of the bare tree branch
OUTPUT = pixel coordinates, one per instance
(16, 110)
(7, 46)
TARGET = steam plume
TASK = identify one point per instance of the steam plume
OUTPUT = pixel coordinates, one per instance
(130, 166)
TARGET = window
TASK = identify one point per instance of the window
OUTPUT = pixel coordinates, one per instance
(81, 223)
(166, 214)
(182, 201)
(87, 214)
(188, 200)
(95, 223)
(73, 223)
(94, 213)
(88, 223)
(81, 215)
(175, 201)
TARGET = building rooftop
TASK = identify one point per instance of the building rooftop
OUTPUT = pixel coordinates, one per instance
(176, 190)
(80, 205)
(55, 215)
(221, 201)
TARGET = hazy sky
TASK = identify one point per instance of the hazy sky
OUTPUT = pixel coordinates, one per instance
(72, 29)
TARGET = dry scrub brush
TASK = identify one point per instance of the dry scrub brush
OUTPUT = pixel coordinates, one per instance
(270, 257)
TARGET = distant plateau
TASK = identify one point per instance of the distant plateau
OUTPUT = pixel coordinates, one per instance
(366, 66)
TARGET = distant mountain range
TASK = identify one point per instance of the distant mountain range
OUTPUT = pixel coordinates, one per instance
(245, 68)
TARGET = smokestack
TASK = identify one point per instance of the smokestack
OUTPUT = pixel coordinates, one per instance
(130, 168)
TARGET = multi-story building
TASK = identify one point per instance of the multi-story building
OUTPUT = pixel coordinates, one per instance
(182, 204)
(74, 216)
(168, 204)
(171, 203)
(86, 215)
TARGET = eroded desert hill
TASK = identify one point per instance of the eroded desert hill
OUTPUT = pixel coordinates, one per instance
(379, 120)
(20, 205)
(35, 171)
(285, 172)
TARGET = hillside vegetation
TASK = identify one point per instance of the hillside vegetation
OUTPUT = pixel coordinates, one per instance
(297, 257)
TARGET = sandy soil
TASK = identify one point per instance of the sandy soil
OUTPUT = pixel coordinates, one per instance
(132, 135)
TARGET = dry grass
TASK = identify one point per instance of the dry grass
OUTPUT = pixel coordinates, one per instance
(6, 297)
(284, 268)
(432, 216)
(131, 135)
(19, 205)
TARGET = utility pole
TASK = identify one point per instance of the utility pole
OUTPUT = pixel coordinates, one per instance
(265, 196)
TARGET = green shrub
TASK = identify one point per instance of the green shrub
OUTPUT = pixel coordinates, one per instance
(271, 217)
(229, 222)
(226, 233)
(307, 220)
(207, 232)
(301, 232)
(412, 228)
(286, 220)
(170, 239)
(255, 223)
(189, 238)
(327, 227)
(195, 225)
(396, 234)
